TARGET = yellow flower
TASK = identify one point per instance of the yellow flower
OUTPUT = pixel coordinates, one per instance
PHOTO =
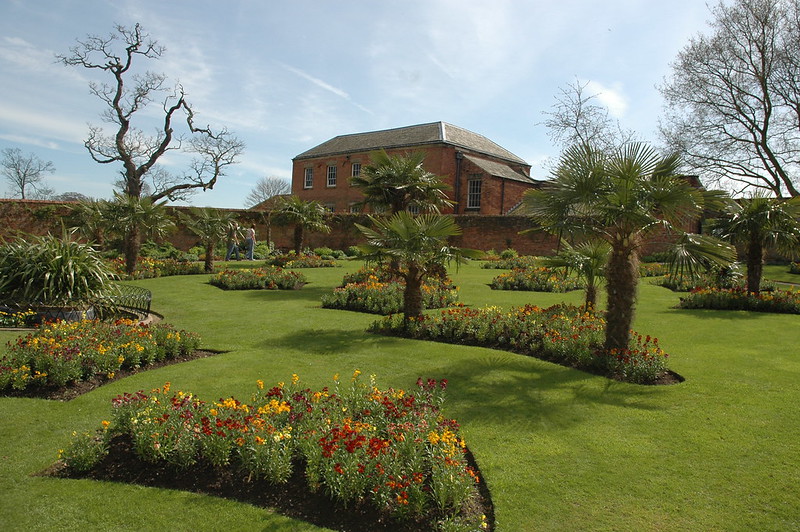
(105, 424)
(260, 384)
(295, 378)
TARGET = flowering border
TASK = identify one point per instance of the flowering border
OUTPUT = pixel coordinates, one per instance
(389, 449)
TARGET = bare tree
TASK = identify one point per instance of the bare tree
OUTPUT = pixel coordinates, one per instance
(266, 188)
(733, 98)
(578, 119)
(25, 174)
(128, 144)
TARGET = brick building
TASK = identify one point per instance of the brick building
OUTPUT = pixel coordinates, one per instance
(484, 178)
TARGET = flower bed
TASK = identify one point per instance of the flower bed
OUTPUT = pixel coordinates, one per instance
(652, 269)
(686, 283)
(148, 268)
(270, 278)
(523, 262)
(303, 260)
(20, 318)
(778, 301)
(60, 353)
(535, 279)
(561, 333)
(384, 298)
(361, 445)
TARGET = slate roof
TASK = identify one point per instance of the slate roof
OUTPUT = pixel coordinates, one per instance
(494, 168)
(408, 137)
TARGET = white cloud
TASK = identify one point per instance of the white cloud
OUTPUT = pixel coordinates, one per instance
(31, 141)
(323, 85)
(612, 97)
(46, 125)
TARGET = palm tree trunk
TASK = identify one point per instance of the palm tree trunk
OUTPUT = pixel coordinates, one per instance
(622, 276)
(591, 296)
(132, 245)
(208, 265)
(412, 297)
(298, 238)
(755, 265)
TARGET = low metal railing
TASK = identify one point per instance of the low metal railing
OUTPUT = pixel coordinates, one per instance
(122, 300)
(130, 298)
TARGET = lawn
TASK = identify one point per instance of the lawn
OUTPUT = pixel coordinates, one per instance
(559, 449)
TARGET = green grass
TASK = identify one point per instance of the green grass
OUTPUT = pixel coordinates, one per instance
(559, 449)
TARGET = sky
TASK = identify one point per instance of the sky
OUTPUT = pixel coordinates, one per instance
(285, 76)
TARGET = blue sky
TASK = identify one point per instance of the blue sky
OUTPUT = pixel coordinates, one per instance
(288, 75)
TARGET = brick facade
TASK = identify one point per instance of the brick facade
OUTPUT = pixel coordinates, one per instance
(461, 162)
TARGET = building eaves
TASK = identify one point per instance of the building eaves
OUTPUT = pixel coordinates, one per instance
(410, 137)
(499, 169)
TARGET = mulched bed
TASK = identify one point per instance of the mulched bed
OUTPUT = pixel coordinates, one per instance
(292, 499)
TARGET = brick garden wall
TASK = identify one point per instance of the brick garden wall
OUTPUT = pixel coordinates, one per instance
(478, 232)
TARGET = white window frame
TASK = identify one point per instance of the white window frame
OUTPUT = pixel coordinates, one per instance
(331, 176)
(355, 169)
(474, 189)
(308, 178)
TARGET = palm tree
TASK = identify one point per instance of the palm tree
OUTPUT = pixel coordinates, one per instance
(304, 215)
(89, 217)
(210, 225)
(619, 198)
(135, 218)
(394, 183)
(418, 245)
(759, 223)
(588, 260)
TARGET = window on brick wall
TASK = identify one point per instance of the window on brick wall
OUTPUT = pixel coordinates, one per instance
(413, 209)
(308, 181)
(332, 175)
(474, 194)
(330, 207)
(355, 170)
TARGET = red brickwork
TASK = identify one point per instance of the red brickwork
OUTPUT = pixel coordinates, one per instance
(478, 232)
(498, 194)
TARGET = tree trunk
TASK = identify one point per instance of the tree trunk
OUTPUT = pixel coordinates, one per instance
(208, 265)
(622, 275)
(591, 297)
(412, 297)
(755, 265)
(298, 238)
(132, 244)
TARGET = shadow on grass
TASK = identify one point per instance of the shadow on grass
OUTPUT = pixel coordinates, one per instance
(720, 314)
(507, 389)
(328, 341)
(307, 293)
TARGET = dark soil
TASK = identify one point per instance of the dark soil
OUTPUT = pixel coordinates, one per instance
(292, 499)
